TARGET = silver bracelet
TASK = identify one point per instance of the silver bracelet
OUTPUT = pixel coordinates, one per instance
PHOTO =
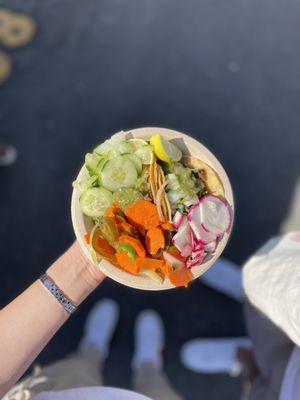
(58, 293)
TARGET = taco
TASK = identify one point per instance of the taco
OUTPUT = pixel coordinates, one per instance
(210, 177)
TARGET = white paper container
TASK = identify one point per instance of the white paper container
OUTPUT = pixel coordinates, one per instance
(83, 224)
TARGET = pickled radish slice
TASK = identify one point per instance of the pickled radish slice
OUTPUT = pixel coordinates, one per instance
(215, 215)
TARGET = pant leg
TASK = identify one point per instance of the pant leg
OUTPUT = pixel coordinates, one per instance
(272, 349)
(78, 370)
(153, 383)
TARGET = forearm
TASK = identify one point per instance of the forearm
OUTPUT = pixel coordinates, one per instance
(29, 322)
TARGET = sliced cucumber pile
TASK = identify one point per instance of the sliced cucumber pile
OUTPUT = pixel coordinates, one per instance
(117, 173)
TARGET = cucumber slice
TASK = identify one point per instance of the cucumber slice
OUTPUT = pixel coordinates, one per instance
(114, 147)
(136, 161)
(137, 143)
(94, 201)
(91, 163)
(145, 153)
(101, 163)
(94, 163)
(124, 147)
(118, 173)
(86, 183)
(103, 148)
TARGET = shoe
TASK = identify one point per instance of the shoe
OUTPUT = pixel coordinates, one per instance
(99, 327)
(8, 155)
(211, 356)
(149, 340)
(292, 219)
(225, 277)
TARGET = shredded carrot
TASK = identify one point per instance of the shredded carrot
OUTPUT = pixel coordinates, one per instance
(155, 240)
(142, 214)
(149, 263)
(87, 238)
(127, 263)
(135, 243)
(181, 277)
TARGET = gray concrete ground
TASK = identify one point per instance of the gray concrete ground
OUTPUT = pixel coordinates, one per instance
(224, 72)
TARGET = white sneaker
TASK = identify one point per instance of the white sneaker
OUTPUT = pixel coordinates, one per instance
(225, 277)
(8, 155)
(149, 339)
(99, 327)
(292, 219)
(211, 356)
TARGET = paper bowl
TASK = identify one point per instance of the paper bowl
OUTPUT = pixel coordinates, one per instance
(83, 224)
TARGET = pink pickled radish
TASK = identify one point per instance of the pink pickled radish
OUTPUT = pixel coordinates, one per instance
(195, 259)
(215, 215)
(182, 237)
(177, 220)
(211, 247)
(186, 250)
(194, 219)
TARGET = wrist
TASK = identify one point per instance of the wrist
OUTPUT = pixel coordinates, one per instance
(75, 275)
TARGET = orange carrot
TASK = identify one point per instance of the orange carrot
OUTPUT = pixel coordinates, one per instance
(181, 277)
(142, 214)
(176, 253)
(149, 263)
(109, 213)
(87, 238)
(124, 226)
(167, 226)
(113, 211)
(155, 240)
(127, 263)
(135, 243)
(166, 268)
